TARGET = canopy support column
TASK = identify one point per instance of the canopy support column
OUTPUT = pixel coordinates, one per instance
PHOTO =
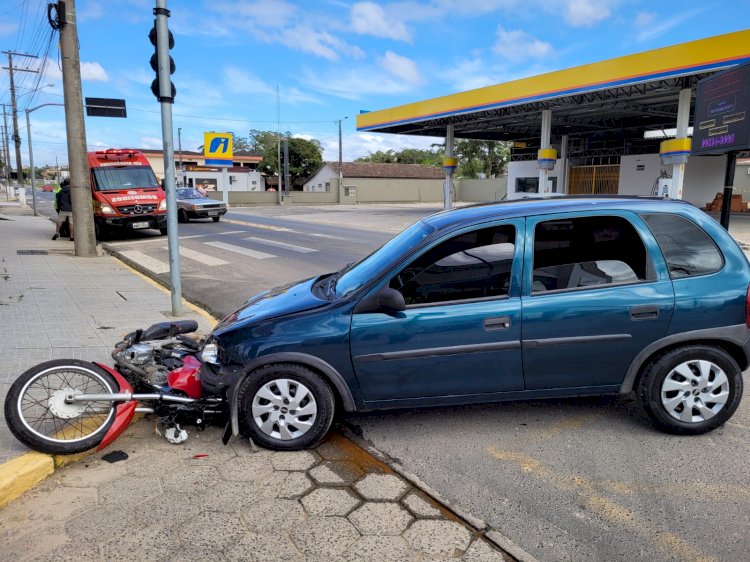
(547, 155)
(449, 165)
(683, 119)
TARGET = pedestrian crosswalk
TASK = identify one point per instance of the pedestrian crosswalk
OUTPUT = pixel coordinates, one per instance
(208, 255)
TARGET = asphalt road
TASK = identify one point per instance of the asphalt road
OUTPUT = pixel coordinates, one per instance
(578, 479)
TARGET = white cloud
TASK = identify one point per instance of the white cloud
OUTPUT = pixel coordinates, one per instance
(356, 145)
(264, 13)
(356, 83)
(369, 18)
(239, 81)
(586, 13)
(470, 74)
(7, 28)
(517, 45)
(401, 67)
(653, 30)
(151, 142)
(93, 72)
(642, 19)
(90, 11)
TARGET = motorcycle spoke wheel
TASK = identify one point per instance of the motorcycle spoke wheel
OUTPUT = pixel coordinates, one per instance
(38, 414)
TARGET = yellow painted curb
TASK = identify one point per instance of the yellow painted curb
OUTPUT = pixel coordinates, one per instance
(23, 473)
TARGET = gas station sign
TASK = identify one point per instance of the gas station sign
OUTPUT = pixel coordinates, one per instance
(722, 104)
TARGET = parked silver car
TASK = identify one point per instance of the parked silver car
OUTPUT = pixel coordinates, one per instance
(192, 204)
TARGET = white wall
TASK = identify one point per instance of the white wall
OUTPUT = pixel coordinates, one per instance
(243, 181)
(323, 176)
(527, 169)
(704, 176)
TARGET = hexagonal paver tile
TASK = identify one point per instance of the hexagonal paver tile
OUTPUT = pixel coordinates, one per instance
(229, 497)
(210, 529)
(336, 473)
(175, 508)
(481, 551)
(106, 519)
(246, 468)
(439, 538)
(296, 460)
(325, 537)
(380, 518)
(295, 485)
(148, 543)
(421, 508)
(273, 516)
(328, 501)
(129, 491)
(377, 549)
(92, 474)
(189, 479)
(386, 487)
(255, 547)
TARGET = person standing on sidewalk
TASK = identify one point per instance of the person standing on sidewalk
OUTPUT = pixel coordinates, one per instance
(64, 209)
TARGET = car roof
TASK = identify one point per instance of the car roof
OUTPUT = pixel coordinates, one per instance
(483, 212)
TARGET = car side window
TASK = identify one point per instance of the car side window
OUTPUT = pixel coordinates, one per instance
(472, 265)
(588, 251)
(687, 248)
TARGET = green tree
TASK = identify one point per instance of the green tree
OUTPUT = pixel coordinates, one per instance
(305, 156)
(425, 157)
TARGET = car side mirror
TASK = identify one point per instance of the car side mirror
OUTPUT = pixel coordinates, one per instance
(387, 301)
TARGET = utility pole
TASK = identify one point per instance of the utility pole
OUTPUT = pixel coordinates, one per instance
(341, 164)
(80, 186)
(287, 177)
(16, 136)
(179, 146)
(6, 150)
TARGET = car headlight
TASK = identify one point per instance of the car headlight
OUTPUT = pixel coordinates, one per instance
(107, 210)
(163, 205)
(210, 354)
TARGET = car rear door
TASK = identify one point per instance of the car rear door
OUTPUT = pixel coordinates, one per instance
(461, 331)
(596, 292)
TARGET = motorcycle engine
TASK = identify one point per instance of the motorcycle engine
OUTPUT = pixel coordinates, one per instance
(139, 354)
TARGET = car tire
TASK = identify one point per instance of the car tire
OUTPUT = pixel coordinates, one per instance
(215, 219)
(163, 231)
(270, 399)
(702, 378)
(182, 216)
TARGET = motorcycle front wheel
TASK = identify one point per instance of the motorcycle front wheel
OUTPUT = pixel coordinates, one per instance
(38, 415)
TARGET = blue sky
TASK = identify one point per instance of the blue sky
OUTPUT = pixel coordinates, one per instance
(329, 58)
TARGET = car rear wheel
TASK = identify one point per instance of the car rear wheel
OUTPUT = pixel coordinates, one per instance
(285, 407)
(691, 390)
(182, 216)
(215, 219)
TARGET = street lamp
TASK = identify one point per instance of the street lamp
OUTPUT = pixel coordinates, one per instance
(31, 152)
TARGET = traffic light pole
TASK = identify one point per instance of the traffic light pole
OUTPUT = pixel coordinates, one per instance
(166, 99)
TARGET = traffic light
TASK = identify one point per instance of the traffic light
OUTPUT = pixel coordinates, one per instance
(155, 85)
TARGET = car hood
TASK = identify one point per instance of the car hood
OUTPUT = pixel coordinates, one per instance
(200, 201)
(280, 301)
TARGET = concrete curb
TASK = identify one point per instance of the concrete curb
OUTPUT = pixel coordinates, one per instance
(480, 526)
(23, 473)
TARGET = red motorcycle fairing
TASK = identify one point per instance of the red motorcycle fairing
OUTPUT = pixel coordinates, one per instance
(187, 378)
(123, 412)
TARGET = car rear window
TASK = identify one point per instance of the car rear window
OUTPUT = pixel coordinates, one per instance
(689, 251)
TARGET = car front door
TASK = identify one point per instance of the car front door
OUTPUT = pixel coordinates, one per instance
(596, 292)
(460, 333)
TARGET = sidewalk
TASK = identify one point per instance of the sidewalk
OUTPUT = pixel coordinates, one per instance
(199, 500)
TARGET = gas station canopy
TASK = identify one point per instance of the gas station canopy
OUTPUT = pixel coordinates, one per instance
(619, 97)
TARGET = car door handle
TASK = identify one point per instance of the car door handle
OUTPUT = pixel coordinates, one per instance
(645, 312)
(497, 323)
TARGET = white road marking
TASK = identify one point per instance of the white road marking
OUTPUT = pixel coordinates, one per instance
(240, 250)
(153, 265)
(161, 238)
(328, 236)
(284, 245)
(199, 257)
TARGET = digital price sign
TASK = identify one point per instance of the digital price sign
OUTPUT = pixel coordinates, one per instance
(722, 103)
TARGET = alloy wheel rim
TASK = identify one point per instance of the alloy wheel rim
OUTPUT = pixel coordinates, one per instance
(695, 391)
(284, 409)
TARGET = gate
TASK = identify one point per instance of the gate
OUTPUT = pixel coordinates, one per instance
(594, 180)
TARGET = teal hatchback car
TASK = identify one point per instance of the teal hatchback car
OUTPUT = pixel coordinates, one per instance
(526, 299)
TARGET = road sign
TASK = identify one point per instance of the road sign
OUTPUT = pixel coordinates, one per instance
(105, 107)
(217, 149)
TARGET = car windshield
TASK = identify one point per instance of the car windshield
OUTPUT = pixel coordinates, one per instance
(130, 177)
(355, 276)
(189, 193)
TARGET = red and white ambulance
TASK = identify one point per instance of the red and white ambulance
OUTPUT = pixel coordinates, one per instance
(125, 192)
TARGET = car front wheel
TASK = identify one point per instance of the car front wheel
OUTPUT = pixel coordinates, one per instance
(691, 390)
(285, 407)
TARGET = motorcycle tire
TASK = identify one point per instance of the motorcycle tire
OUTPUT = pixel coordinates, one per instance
(38, 416)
